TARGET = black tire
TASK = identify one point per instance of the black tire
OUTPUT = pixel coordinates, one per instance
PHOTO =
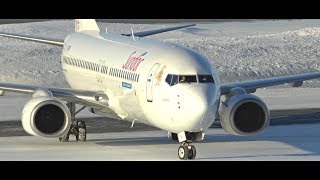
(82, 131)
(192, 152)
(174, 136)
(64, 138)
(183, 152)
(74, 129)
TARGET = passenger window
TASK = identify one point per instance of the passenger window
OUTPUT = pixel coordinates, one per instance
(206, 79)
(81, 64)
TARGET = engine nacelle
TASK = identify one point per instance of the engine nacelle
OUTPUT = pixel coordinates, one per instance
(244, 114)
(46, 116)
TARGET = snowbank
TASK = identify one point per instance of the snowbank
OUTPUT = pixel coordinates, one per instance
(239, 50)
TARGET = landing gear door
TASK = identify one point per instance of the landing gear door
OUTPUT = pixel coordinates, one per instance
(150, 81)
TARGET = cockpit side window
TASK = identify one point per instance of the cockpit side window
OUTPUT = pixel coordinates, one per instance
(169, 79)
(172, 79)
(205, 79)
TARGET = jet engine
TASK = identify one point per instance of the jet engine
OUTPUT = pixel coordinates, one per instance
(244, 114)
(46, 116)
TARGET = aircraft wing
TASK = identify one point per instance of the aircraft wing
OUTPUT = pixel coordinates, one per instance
(56, 42)
(59, 42)
(251, 86)
(157, 31)
(87, 98)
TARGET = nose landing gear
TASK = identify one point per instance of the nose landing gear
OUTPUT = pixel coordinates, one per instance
(187, 151)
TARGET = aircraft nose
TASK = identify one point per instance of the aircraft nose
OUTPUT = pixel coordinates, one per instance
(195, 110)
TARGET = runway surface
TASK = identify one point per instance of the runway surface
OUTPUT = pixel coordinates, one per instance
(292, 142)
(110, 139)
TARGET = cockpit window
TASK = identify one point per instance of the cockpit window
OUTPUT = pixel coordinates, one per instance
(187, 79)
(205, 79)
(169, 79)
(173, 79)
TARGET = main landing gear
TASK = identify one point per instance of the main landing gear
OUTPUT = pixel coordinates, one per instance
(77, 128)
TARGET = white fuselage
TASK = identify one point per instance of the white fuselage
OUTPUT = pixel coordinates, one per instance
(132, 73)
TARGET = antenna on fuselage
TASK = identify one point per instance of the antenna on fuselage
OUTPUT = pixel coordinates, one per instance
(132, 34)
(106, 30)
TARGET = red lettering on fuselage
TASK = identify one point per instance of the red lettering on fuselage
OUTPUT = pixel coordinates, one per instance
(133, 62)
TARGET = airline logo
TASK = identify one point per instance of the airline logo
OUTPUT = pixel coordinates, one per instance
(159, 75)
(133, 61)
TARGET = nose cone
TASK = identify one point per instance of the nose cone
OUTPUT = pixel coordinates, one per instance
(196, 108)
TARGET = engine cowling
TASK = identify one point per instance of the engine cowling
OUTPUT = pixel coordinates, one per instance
(46, 117)
(244, 114)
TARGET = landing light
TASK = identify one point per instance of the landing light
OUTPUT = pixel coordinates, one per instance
(98, 98)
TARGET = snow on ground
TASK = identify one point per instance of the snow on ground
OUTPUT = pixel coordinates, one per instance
(239, 50)
(290, 98)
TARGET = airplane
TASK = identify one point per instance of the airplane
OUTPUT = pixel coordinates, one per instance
(126, 77)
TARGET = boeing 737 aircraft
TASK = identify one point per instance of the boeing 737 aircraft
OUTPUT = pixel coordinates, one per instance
(126, 77)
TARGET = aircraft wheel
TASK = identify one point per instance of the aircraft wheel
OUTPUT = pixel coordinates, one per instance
(82, 131)
(192, 152)
(64, 138)
(183, 152)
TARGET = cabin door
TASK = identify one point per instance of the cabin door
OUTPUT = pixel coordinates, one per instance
(150, 81)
